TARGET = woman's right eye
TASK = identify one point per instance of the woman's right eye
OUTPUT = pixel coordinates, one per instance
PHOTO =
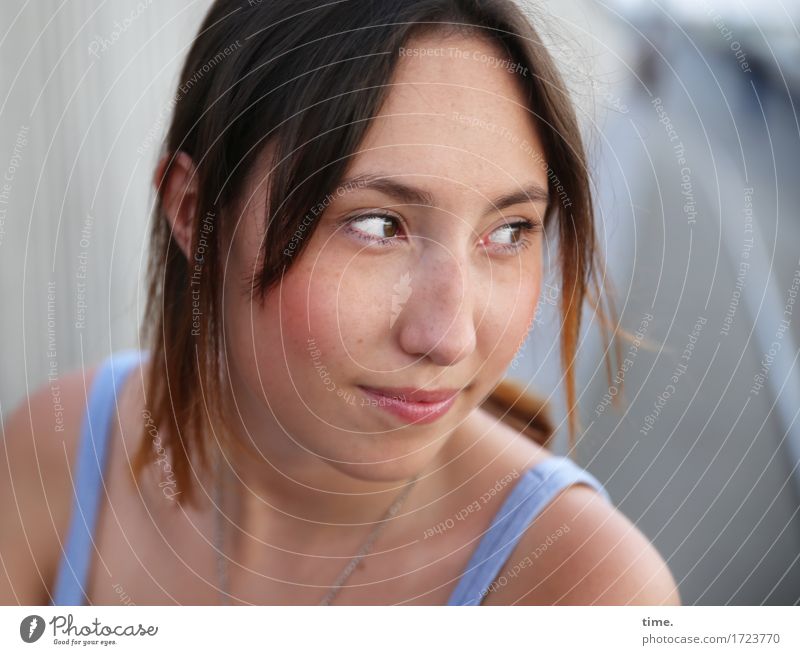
(374, 228)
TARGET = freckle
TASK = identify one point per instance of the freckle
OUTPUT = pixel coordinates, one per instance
(360, 340)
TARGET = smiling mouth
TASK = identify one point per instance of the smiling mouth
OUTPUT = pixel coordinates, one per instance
(412, 405)
(413, 395)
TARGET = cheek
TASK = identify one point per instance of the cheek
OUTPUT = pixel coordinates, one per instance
(287, 349)
(509, 314)
(343, 305)
(318, 317)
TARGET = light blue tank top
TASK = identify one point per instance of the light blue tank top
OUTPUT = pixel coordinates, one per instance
(534, 489)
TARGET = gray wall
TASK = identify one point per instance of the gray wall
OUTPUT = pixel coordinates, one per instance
(713, 482)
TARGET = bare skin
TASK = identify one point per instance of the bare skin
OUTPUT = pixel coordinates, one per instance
(152, 553)
(471, 306)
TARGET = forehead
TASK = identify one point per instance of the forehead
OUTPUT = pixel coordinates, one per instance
(456, 109)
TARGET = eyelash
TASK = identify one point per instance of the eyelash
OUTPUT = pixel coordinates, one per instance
(527, 226)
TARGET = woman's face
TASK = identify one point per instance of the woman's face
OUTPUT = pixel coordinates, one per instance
(420, 273)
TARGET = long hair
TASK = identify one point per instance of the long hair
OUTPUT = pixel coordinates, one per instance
(305, 79)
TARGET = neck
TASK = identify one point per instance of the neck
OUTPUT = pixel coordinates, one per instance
(283, 493)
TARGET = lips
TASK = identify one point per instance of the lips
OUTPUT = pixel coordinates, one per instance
(410, 394)
(411, 405)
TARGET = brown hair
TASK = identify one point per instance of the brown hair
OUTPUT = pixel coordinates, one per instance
(306, 79)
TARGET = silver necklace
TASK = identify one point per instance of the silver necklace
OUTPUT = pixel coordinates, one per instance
(219, 538)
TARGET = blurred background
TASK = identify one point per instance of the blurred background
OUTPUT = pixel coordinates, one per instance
(690, 111)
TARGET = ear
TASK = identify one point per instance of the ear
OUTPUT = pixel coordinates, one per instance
(178, 191)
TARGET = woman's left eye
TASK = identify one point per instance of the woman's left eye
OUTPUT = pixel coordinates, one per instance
(383, 230)
(514, 236)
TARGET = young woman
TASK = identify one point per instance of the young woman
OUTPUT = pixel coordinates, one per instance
(352, 215)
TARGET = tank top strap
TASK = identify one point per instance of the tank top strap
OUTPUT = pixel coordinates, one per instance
(529, 496)
(88, 476)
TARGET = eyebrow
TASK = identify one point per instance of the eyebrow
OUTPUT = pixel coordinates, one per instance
(405, 193)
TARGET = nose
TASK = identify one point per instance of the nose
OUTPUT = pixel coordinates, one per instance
(437, 320)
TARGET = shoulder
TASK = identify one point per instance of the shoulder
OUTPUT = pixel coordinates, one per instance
(40, 441)
(581, 550)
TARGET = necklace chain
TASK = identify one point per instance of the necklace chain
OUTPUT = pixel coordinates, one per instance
(222, 559)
